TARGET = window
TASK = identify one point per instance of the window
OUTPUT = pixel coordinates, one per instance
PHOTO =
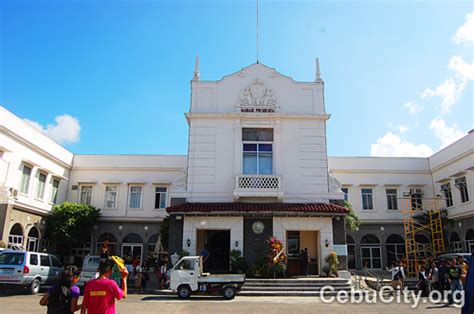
(416, 196)
(448, 195)
(461, 184)
(55, 262)
(25, 179)
(86, 194)
(293, 243)
(44, 260)
(33, 259)
(111, 196)
(40, 186)
(257, 151)
(186, 264)
(135, 197)
(54, 191)
(391, 199)
(160, 197)
(346, 194)
(367, 199)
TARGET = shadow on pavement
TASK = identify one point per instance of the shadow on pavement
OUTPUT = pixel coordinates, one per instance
(175, 298)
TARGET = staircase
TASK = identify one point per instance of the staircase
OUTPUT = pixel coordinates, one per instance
(293, 287)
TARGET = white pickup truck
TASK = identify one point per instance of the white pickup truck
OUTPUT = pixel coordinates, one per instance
(187, 277)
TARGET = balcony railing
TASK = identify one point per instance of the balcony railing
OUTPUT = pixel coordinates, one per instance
(258, 186)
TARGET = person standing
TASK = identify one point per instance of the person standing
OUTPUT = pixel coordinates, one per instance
(63, 297)
(396, 276)
(434, 276)
(100, 294)
(455, 274)
(138, 279)
(305, 261)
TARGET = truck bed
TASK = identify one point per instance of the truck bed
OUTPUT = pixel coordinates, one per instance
(221, 278)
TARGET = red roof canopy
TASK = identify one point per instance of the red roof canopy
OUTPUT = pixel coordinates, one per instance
(322, 208)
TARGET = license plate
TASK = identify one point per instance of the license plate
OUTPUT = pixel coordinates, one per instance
(6, 271)
(7, 277)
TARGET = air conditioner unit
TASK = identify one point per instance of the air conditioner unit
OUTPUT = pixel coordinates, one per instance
(14, 193)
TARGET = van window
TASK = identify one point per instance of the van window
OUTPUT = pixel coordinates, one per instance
(55, 261)
(45, 260)
(9, 258)
(95, 261)
(33, 259)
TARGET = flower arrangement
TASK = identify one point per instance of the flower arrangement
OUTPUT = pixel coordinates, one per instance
(277, 257)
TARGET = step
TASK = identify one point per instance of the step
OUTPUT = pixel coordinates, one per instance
(244, 288)
(295, 284)
(287, 293)
(297, 281)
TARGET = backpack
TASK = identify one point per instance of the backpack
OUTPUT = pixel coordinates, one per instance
(58, 302)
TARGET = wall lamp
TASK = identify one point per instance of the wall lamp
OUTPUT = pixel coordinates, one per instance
(326, 242)
(188, 242)
(236, 243)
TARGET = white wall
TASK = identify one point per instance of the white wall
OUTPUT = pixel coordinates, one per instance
(215, 143)
(22, 144)
(454, 161)
(379, 174)
(193, 224)
(148, 171)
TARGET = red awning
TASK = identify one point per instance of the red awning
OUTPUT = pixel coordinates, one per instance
(321, 208)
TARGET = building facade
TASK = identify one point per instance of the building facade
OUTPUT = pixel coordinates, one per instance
(256, 167)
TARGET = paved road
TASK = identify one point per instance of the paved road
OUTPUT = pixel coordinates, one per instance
(171, 304)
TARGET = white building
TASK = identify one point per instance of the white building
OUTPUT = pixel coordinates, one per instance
(256, 167)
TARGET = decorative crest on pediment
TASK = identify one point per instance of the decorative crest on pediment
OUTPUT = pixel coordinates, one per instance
(257, 96)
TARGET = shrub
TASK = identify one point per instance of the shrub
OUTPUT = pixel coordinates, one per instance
(332, 264)
(237, 262)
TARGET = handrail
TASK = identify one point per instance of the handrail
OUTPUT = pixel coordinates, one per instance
(379, 284)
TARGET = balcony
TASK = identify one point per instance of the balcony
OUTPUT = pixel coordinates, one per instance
(252, 185)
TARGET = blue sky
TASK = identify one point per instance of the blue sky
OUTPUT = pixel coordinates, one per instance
(119, 71)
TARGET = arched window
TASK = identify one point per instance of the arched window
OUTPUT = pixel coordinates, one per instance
(153, 246)
(455, 243)
(16, 237)
(395, 245)
(350, 252)
(470, 240)
(371, 253)
(33, 240)
(112, 243)
(132, 248)
(423, 245)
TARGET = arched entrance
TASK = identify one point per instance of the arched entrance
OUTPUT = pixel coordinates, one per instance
(455, 243)
(395, 248)
(32, 243)
(351, 257)
(16, 237)
(470, 240)
(132, 247)
(153, 247)
(423, 245)
(371, 252)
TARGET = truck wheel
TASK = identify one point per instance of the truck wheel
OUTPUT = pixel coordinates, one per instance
(184, 292)
(35, 286)
(229, 293)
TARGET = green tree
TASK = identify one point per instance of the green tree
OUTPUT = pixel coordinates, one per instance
(70, 224)
(164, 232)
(351, 219)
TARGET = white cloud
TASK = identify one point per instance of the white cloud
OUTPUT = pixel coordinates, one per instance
(413, 107)
(391, 145)
(403, 128)
(463, 69)
(451, 89)
(446, 134)
(448, 90)
(66, 129)
(465, 33)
